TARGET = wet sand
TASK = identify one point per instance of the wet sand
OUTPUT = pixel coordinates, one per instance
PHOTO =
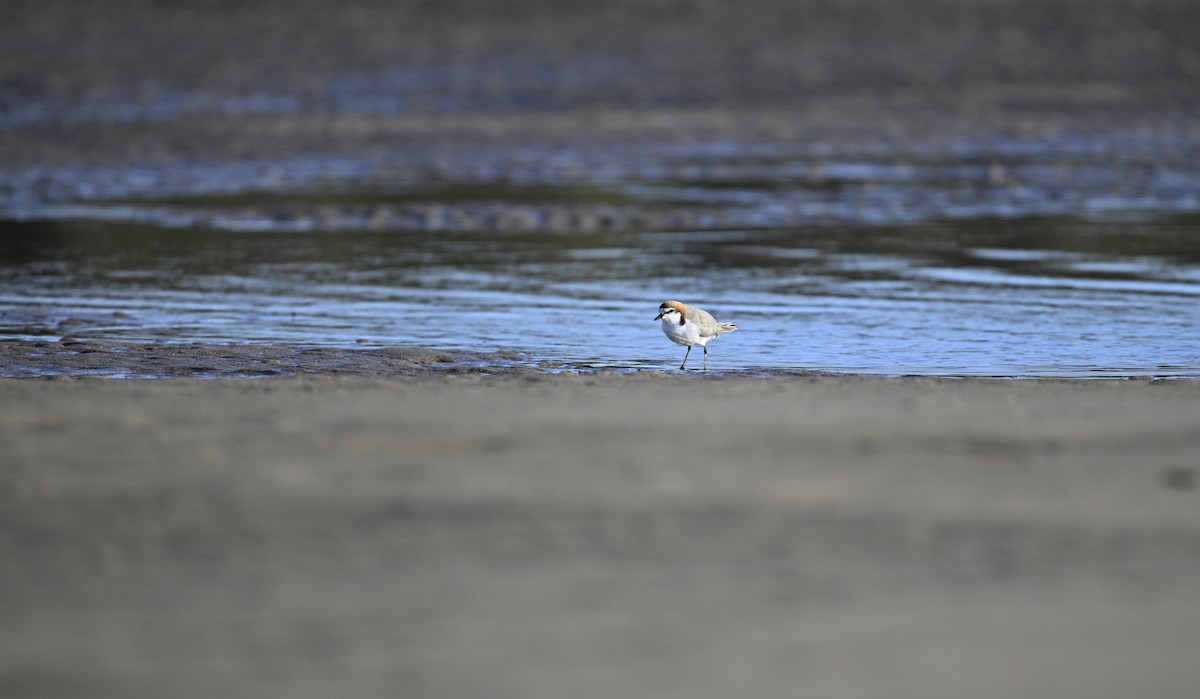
(71, 358)
(450, 85)
(599, 535)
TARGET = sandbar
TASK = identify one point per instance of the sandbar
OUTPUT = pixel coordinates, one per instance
(540, 534)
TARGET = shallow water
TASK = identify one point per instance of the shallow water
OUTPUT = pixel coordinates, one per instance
(1081, 296)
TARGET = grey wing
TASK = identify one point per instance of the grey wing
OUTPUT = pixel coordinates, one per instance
(709, 327)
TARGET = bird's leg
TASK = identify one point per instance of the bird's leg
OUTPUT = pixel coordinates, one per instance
(706, 357)
(685, 356)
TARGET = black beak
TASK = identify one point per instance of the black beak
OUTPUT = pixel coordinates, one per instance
(659, 316)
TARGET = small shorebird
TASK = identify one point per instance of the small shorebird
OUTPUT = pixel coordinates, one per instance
(691, 326)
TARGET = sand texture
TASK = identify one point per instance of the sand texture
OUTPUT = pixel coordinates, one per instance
(599, 536)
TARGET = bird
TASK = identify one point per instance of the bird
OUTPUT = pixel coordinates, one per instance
(691, 326)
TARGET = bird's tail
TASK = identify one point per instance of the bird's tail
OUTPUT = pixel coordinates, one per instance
(728, 327)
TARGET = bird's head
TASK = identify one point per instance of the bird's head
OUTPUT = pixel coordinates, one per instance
(671, 310)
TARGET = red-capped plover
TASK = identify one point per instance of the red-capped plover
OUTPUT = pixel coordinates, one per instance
(691, 326)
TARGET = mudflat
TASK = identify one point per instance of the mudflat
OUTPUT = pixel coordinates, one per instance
(599, 535)
(437, 524)
(171, 86)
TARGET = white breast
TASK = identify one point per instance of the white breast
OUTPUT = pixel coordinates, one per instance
(686, 334)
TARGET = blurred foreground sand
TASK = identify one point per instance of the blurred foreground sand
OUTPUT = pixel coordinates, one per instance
(599, 536)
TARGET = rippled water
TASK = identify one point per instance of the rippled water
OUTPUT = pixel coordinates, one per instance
(1102, 294)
